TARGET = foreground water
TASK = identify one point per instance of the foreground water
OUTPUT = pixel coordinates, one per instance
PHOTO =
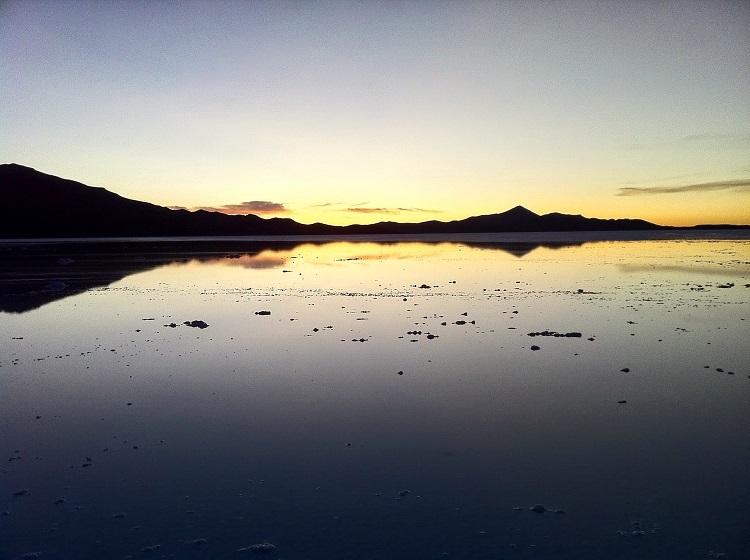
(372, 400)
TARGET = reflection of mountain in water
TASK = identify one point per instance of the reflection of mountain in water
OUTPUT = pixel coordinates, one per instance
(520, 249)
(37, 273)
(34, 274)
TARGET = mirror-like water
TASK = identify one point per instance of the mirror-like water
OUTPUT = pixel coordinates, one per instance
(376, 400)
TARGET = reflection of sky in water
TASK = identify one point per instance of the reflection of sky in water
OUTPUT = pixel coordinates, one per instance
(477, 425)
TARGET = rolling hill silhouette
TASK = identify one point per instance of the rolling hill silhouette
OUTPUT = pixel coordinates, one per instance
(38, 205)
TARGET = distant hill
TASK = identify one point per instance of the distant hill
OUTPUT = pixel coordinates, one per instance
(37, 205)
(34, 204)
(519, 219)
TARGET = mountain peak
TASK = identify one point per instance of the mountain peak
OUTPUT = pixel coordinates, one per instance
(16, 168)
(520, 211)
(43, 205)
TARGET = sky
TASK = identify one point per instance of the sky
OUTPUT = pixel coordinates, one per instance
(366, 111)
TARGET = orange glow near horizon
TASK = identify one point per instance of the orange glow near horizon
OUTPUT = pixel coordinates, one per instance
(655, 209)
(365, 111)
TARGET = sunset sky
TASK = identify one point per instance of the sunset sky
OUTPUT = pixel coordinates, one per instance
(363, 111)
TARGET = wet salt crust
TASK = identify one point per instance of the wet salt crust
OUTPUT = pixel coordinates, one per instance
(322, 399)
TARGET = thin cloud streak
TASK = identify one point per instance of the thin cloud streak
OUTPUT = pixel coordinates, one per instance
(737, 185)
(249, 207)
(708, 137)
(370, 210)
(325, 204)
(364, 210)
(255, 207)
(705, 140)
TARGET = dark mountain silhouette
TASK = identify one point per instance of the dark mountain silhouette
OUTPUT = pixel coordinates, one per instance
(519, 219)
(37, 205)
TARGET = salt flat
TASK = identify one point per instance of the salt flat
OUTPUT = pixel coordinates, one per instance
(376, 398)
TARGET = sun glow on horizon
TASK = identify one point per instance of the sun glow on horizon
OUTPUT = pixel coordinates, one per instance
(355, 113)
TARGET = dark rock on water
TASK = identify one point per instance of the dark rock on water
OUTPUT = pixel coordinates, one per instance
(172, 325)
(535, 348)
(557, 334)
(260, 548)
(622, 402)
(196, 324)
(539, 508)
(625, 370)
(262, 312)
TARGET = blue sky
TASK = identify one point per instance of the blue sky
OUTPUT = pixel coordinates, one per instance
(355, 112)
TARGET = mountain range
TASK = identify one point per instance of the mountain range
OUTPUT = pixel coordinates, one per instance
(37, 205)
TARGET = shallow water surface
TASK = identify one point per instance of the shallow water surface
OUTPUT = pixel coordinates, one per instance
(371, 399)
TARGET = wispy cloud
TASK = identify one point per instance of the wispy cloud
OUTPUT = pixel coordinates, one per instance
(249, 207)
(325, 204)
(372, 210)
(736, 185)
(709, 137)
(671, 178)
(369, 210)
(255, 207)
(704, 140)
